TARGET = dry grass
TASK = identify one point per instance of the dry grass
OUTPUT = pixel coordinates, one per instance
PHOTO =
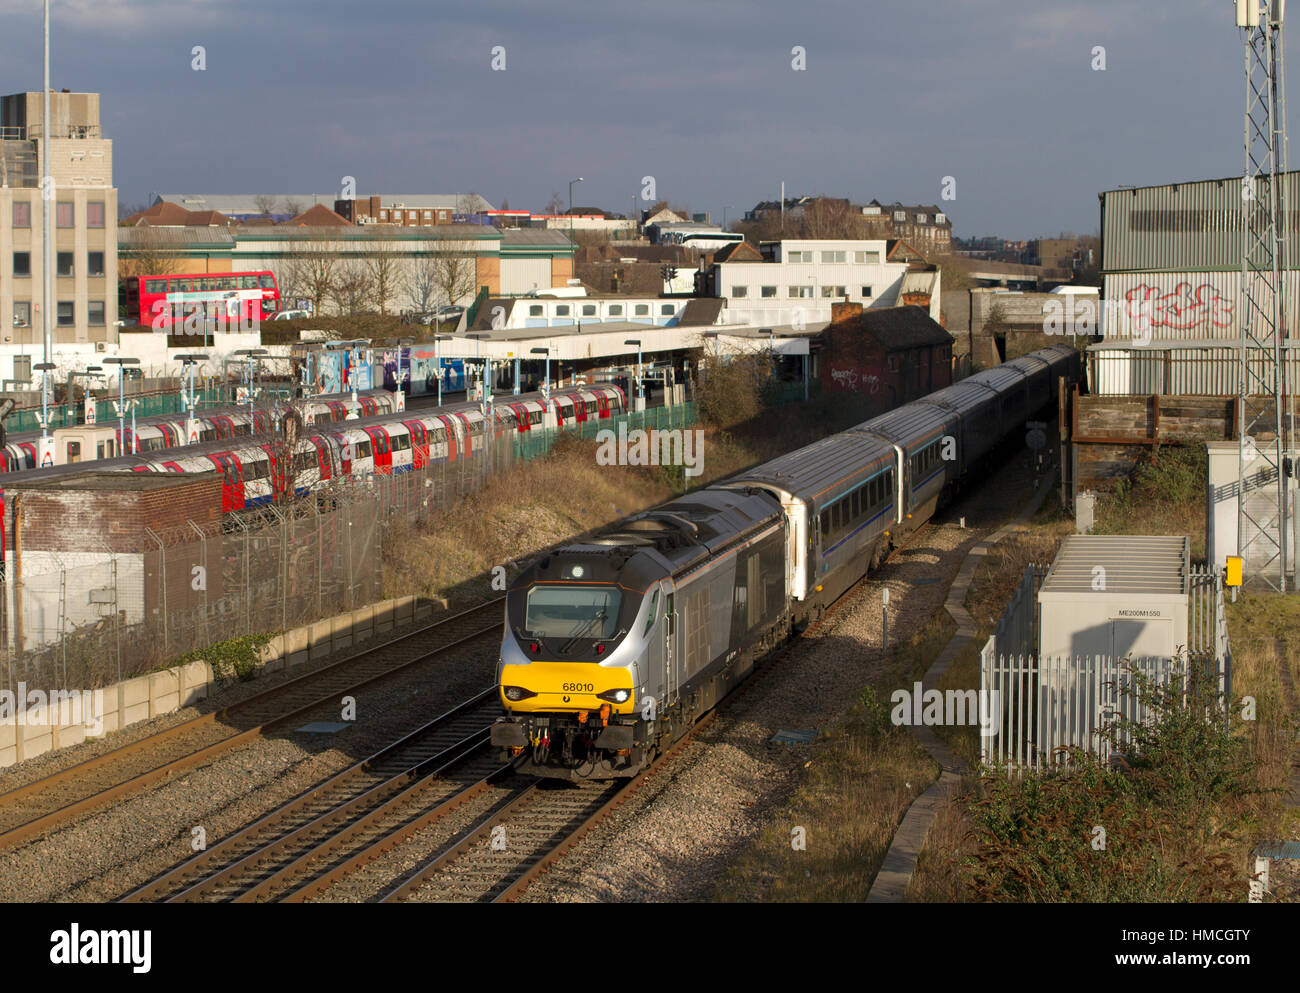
(554, 499)
(1263, 628)
(863, 776)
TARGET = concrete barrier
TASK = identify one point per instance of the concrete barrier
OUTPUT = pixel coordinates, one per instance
(168, 690)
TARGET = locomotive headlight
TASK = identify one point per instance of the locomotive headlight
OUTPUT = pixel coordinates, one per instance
(517, 693)
(615, 696)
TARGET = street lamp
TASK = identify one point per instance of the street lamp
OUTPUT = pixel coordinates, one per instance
(251, 354)
(47, 450)
(437, 363)
(122, 363)
(724, 215)
(484, 370)
(188, 361)
(640, 389)
(571, 182)
(398, 389)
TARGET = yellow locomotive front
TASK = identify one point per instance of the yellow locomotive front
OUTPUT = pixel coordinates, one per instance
(572, 664)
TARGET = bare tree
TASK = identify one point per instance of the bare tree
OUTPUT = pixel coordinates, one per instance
(827, 217)
(383, 266)
(421, 287)
(555, 205)
(265, 204)
(315, 268)
(353, 286)
(147, 251)
(293, 208)
(454, 272)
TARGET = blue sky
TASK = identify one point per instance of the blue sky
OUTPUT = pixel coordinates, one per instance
(999, 94)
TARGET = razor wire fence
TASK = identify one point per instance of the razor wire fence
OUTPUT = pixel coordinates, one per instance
(89, 618)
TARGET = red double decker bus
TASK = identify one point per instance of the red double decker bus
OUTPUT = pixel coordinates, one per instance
(220, 298)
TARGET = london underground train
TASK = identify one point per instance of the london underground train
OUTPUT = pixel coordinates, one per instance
(260, 470)
(614, 646)
(89, 442)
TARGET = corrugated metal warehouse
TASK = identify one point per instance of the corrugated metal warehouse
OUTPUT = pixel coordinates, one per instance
(1177, 248)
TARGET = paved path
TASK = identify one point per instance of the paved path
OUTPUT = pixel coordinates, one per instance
(900, 861)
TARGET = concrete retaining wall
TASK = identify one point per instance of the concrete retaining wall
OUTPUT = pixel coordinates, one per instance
(35, 725)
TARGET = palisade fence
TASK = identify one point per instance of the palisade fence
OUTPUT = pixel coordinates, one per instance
(1045, 706)
(86, 619)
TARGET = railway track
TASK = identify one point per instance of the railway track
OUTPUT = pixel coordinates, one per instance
(497, 859)
(518, 829)
(433, 769)
(43, 804)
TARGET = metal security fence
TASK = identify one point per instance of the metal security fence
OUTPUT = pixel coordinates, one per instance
(1017, 630)
(1045, 706)
(673, 418)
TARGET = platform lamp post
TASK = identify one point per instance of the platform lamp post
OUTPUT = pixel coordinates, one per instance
(122, 363)
(640, 388)
(90, 373)
(46, 454)
(401, 342)
(484, 371)
(188, 362)
(437, 362)
(252, 355)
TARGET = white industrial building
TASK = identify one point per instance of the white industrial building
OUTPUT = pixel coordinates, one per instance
(797, 281)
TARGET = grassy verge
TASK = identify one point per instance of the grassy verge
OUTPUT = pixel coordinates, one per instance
(863, 775)
(1182, 816)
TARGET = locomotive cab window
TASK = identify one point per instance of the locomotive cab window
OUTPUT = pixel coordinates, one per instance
(572, 612)
(650, 620)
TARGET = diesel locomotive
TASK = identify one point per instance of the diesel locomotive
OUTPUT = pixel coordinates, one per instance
(615, 646)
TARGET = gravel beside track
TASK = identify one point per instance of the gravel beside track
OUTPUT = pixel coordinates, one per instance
(111, 852)
(672, 840)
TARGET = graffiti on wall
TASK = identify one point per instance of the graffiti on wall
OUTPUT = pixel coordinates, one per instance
(850, 378)
(1182, 308)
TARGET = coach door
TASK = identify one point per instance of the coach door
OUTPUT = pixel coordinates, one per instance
(232, 484)
(672, 666)
(419, 444)
(602, 404)
(382, 449)
(345, 454)
(449, 429)
(522, 421)
(323, 459)
(468, 451)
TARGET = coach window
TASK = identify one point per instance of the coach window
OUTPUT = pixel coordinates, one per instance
(668, 309)
(588, 310)
(615, 310)
(248, 282)
(562, 310)
(535, 310)
(268, 281)
(642, 310)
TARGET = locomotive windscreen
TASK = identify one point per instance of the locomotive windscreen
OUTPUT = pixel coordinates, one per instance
(568, 612)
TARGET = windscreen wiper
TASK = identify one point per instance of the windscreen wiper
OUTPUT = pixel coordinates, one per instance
(577, 635)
